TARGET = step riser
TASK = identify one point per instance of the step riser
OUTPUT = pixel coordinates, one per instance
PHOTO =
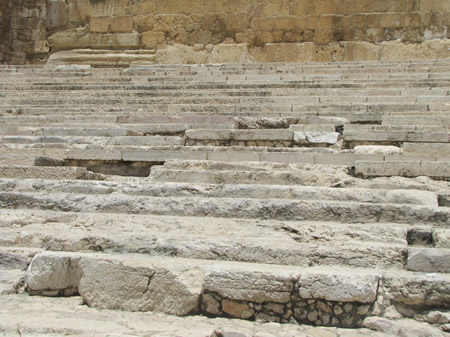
(278, 294)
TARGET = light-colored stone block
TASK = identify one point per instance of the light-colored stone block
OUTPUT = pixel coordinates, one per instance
(114, 41)
(338, 287)
(118, 24)
(429, 260)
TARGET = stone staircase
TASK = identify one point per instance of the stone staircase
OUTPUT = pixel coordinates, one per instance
(298, 195)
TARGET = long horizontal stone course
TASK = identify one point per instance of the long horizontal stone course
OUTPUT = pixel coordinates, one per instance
(273, 242)
(440, 150)
(32, 172)
(413, 197)
(224, 288)
(356, 137)
(128, 140)
(280, 209)
(424, 119)
(438, 169)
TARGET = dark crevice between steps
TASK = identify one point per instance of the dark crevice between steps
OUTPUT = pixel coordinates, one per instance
(106, 167)
(420, 237)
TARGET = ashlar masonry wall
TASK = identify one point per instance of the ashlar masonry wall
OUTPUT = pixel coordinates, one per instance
(199, 31)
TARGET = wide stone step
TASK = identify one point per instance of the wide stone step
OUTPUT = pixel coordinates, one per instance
(245, 208)
(437, 169)
(341, 297)
(42, 172)
(352, 138)
(274, 242)
(143, 188)
(118, 140)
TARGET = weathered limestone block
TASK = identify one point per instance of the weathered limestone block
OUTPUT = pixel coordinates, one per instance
(430, 260)
(118, 24)
(440, 150)
(315, 137)
(51, 275)
(228, 53)
(70, 39)
(153, 40)
(398, 51)
(118, 282)
(57, 14)
(441, 238)
(375, 149)
(415, 289)
(136, 285)
(114, 41)
(338, 287)
(360, 51)
(251, 282)
(402, 328)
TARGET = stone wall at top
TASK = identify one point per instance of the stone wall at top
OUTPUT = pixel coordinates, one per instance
(23, 31)
(199, 31)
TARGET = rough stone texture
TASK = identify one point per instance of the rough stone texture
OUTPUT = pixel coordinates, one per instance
(344, 288)
(402, 328)
(219, 32)
(43, 316)
(131, 283)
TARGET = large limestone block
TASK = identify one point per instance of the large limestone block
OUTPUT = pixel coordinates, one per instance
(118, 24)
(315, 137)
(251, 282)
(119, 282)
(70, 39)
(416, 289)
(153, 40)
(228, 53)
(398, 51)
(376, 149)
(360, 51)
(57, 14)
(430, 260)
(136, 284)
(338, 287)
(441, 238)
(51, 274)
(114, 41)
(440, 150)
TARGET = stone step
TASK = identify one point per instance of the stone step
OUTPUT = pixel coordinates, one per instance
(277, 293)
(128, 140)
(424, 119)
(437, 169)
(291, 173)
(277, 209)
(440, 150)
(42, 172)
(295, 192)
(293, 243)
(38, 315)
(362, 137)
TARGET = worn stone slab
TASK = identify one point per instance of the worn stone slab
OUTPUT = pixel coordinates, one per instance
(313, 127)
(315, 137)
(430, 260)
(391, 168)
(342, 287)
(162, 155)
(378, 136)
(440, 150)
(35, 172)
(312, 210)
(261, 134)
(394, 196)
(279, 242)
(153, 284)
